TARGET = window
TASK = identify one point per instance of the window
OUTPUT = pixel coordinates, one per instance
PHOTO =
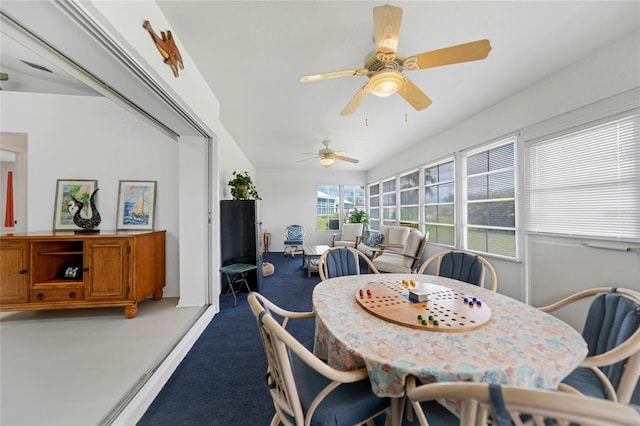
(587, 182)
(389, 202)
(439, 203)
(374, 206)
(490, 225)
(327, 207)
(352, 198)
(410, 199)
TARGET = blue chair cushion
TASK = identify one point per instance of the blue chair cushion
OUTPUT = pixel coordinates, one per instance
(436, 414)
(462, 267)
(375, 238)
(612, 319)
(349, 404)
(341, 262)
(586, 381)
(293, 241)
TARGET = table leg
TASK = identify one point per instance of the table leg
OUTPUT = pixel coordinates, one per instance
(303, 256)
(230, 281)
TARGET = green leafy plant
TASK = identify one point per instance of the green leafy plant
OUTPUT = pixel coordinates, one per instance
(358, 216)
(242, 187)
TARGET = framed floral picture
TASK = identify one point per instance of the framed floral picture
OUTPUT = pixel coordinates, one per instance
(65, 208)
(136, 205)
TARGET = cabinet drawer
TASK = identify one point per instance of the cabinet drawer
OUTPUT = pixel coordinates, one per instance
(57, 294)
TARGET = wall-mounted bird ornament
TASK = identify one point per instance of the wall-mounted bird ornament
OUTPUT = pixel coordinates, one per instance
(167, 48)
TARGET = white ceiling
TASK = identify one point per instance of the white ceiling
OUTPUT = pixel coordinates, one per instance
(253, 53)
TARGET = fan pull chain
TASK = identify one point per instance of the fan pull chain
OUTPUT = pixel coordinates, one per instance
(366, 111)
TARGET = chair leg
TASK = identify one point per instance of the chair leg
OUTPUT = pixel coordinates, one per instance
(275, 421)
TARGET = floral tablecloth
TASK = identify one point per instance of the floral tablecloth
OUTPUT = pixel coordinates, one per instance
(521, 346)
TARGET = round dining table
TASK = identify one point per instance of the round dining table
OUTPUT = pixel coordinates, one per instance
(519, 346)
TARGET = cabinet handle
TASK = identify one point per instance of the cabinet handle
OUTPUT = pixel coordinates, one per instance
(85, 269)
(22, 271)
(40, 296)
(72, 295)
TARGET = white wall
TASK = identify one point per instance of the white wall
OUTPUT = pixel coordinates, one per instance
(289, 197)
(79, 137)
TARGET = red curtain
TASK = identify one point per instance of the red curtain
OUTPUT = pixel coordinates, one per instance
(9, 220)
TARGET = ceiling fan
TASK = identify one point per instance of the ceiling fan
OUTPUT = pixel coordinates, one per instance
(385, 67)
(327, 155)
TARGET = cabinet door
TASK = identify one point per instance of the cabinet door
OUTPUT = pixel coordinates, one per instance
(14, 283)
(106, 269)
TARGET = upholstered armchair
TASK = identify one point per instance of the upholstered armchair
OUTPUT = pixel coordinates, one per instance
(349, 237)
(391, 238)
(402, 258)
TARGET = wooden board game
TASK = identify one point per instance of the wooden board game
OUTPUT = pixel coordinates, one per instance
(445, 310)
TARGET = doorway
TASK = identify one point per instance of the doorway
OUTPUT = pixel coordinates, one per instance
(13, 159)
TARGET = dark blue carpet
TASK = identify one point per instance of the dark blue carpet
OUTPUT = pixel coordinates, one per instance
(220, 382)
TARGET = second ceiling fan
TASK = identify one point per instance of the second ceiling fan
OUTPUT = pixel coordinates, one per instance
(385, 67)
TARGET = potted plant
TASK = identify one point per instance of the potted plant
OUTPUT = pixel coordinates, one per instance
(358, 216)
(242, 187)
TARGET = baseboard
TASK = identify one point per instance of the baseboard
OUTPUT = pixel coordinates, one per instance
(140, 402)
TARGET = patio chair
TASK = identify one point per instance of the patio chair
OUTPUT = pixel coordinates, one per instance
(462, 266)
(401, 258)
(294, 240)
(340, 261)
(489, 404)
(349, 237)
(612, 331)
(304, 389)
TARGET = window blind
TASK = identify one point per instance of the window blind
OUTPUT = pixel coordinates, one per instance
(587, 182)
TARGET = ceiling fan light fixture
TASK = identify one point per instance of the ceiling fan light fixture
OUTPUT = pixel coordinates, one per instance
(386, 83)
(326, 161)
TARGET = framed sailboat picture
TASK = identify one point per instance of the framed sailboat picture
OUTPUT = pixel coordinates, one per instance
(136, 205)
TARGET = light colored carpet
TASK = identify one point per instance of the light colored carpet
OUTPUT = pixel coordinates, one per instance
(72, 367)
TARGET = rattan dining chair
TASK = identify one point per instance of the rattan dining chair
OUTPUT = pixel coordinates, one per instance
(484, 404)
(305, 390)
(341, 261)
(612, 331)
(463, 266)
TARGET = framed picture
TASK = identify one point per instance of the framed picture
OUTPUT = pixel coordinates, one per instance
(136, 205)
(65, 207)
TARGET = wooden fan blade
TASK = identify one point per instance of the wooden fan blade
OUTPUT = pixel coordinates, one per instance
(472, 51)
(306, 159)
(386, 26)
(340, 157)
(333, 74)
(355, 101)
(412, 94)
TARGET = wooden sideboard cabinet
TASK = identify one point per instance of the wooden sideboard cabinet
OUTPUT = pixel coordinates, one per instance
(65, 270)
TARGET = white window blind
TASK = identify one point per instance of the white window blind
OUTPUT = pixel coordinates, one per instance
(490, 204)
(587, 183)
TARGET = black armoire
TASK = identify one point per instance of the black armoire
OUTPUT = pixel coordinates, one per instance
(241, 237)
